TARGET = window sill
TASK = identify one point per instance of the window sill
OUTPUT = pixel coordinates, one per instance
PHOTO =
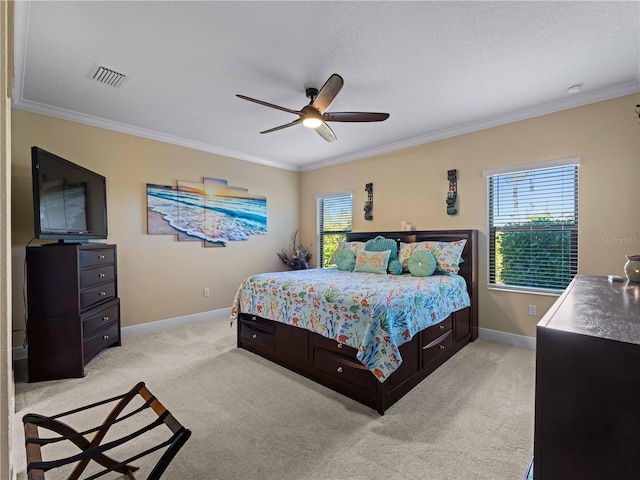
(529, 291)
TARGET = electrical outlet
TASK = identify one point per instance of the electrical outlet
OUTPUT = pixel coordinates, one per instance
(532, 310)
(205, 292)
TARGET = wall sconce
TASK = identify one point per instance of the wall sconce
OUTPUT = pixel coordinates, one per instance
(368, 205)
(452, 194)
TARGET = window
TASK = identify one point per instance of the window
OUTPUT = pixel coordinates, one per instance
(533, 226)
(334, 221)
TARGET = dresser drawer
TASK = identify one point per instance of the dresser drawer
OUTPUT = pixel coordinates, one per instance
(257, 335)
(436, 331)
(98, 320)
(334, 346)
(93, 257)
(340, 367)
(436, 348)
(95, 295)
(100, 340)
(95, 276)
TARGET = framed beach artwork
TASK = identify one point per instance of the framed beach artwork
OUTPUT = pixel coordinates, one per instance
(210, 211)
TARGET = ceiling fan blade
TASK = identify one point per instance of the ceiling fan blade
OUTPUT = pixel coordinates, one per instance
(327, 93)
(266, 104)
(295, 122)
(325, 132)
(354, 117)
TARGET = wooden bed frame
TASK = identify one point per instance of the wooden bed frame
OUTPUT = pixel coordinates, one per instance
(335, 366)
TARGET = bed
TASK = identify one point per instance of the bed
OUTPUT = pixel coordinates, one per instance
(371, 337)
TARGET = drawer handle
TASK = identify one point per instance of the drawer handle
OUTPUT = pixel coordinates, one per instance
(100, 257)
(101, 275)
(339, 345)
(103, 294)
(106, 337)
(441, 327)
(254, 336)
(442, 347)
(105, 319)
(339, 370)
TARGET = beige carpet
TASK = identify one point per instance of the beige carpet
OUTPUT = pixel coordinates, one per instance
(251, 419)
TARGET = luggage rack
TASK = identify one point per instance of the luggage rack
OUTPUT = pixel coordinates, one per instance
(92, 449)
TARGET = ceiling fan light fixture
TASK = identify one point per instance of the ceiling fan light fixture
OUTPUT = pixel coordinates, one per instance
(311, 122)
(314, 115)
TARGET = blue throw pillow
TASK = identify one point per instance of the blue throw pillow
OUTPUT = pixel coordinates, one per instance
(422, 263)
(345, 259)
(380, 244)
(395, 267)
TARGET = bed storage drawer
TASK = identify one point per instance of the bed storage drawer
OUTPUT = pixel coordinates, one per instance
(437, 347)
(436, 331)
(254, 333)
(257, 322)
(342, 368)
(334, 346)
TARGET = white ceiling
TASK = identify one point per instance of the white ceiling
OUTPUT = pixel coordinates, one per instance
(439, 68)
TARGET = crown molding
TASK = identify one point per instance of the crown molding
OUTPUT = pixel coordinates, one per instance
(524, 114)
(538, 110)
(85, 119)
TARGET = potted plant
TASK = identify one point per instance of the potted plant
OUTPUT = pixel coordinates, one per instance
(296, 257)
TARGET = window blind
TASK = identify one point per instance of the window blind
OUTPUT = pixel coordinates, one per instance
(533, 228)
(334, 221)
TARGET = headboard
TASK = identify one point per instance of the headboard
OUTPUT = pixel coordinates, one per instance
(468, 268)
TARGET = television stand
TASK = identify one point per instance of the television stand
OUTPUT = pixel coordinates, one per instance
(73, 307)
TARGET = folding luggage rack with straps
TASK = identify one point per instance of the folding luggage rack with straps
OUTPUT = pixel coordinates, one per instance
(92, 449)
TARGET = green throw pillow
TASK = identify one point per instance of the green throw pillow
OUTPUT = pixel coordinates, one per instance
(372, 262)
(395, 267)
(422, 263)
(345, 259)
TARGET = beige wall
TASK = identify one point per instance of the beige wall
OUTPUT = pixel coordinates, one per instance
(161, 278)
(411, 185)
(158, 277)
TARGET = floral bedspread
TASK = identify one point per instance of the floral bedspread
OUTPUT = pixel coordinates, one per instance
(372, 313)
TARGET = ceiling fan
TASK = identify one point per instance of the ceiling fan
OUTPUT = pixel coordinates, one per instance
(314, 115)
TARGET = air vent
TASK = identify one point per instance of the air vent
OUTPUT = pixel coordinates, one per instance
(109, 77)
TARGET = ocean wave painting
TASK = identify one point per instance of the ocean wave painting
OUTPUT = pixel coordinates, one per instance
(211, 211)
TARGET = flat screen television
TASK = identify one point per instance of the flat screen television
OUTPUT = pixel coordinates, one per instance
(69, 201)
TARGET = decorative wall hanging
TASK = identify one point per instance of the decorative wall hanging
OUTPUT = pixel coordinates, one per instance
(368, 205)
(452, 194)
(211, 211)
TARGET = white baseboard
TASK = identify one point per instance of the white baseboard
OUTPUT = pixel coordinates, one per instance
(507, 338)
(160, 325)
(21, 353)
(489, 335)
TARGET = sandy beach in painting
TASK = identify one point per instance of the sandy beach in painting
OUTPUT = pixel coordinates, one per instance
(214, 218)
(157, 225)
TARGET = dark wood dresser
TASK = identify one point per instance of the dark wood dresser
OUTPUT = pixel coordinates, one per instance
(587, 406)
(73, 307)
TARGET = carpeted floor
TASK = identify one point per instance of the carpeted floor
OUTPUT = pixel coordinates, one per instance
(251, 419)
